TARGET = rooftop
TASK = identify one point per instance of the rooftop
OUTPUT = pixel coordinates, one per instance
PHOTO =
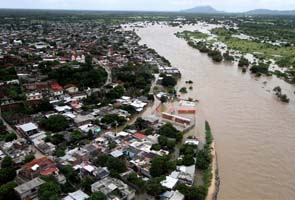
(36, 182)
(28, 127)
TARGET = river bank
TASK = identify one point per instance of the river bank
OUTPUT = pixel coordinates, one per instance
(215, 181)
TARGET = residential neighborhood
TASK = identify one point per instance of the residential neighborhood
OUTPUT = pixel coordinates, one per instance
(73, 94)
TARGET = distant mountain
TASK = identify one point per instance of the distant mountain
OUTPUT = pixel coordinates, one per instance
(211, 10)
(270, 12)
(202, 10)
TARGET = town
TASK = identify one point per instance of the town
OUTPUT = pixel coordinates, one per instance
(73, 91)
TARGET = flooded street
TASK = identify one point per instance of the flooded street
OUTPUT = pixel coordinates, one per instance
(254, 132)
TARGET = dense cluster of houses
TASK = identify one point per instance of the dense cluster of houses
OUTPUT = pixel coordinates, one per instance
(26, 50)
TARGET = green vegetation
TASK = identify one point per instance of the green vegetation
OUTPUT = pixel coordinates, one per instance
(29, 158)
(49, 190)
(134, 179)
(7, 171)
(192, 35)
(164, 143)
(55, 123)
(215, 55)
(169, 131)
(7, 74)
(283, 97)
(243, 62)
(169, 81)
(136, 78)
(183, 90)
(115, 165)
(260, 68)
(189, 153)
(252, 46)
(7, 191)
(98, 196)
(193, 193)
(86, 76)
(162, 165)
(113, 119)
(164, 99)
(228, 57)
(153, 186)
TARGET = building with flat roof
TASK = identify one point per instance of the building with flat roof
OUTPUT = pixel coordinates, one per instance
(114, 189)
(29, 190)
(78, 195)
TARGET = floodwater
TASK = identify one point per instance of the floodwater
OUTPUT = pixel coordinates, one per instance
(254, 132)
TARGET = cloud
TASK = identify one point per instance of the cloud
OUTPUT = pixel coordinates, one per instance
(164, 5)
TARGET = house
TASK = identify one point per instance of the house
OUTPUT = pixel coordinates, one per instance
(30, 189)
(79, 96)
(172, 195)
(70, 88)
(80, 58)
(28, 129)
(139, 136)
(37, 167)
(34, 96)
(114, 189)
(56, 89)
(78, 195)
(117, 153)
(45, 147)
(169, 182)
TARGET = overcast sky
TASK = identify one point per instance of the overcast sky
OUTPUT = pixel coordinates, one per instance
(151, 5)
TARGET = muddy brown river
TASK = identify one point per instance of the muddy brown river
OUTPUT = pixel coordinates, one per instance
(254, 132)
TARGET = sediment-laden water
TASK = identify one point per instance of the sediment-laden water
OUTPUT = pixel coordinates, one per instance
(254, 132)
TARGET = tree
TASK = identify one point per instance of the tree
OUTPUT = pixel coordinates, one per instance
(86, 183)
(130, 109)
(169, 81)
(204, 159)
(7, 162)
(6, 175)
(141, 124)
(161, 165)
(116, 93)
(228, 57)
(164, 99)
(98, 196)
(45, 106)
(183, 90)
(7, 191)
(29, 158)
(193, 193)
(113, 119)
(55, 123)
(134, 179)
(70, 174)
(77, 136)
(215, 55)
(49, 190)
(113, 164)
(10, 137)
(170, 131)
(153, 186)
(188, 160)
(243, 62)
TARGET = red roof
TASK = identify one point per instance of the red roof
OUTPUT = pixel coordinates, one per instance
(49, 171)
(139, 135)
(55, 86)
(40, 161)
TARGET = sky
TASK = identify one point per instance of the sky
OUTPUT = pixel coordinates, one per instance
(149, 5)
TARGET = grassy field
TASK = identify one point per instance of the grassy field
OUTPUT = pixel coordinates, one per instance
(261, 50)
(192, 35)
